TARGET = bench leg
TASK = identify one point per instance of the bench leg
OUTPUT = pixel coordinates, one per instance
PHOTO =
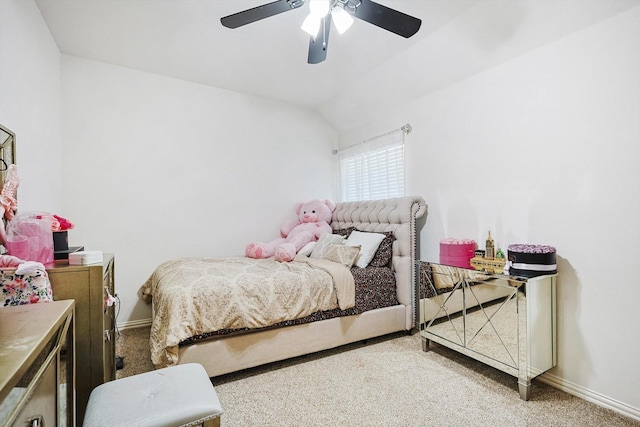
(215, 422)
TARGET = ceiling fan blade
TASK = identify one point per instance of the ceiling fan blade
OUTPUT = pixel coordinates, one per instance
(318, 45)
(390, 19)
(257, 13)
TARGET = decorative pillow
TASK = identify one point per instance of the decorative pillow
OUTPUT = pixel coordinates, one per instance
(383, 255)
(307, 249)
(344, 231)
(345, 255)
(323, 243)
(369, 243)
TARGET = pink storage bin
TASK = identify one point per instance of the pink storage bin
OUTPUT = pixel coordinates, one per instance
(457, 252)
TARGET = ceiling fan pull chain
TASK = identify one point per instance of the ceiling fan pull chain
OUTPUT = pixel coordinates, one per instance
(324, 34)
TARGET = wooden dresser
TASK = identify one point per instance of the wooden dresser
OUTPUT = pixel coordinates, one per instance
(37, 364)
(89, 286)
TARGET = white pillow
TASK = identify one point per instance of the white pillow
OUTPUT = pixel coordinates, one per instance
(323, 244)
(368, 243)
(307, 249)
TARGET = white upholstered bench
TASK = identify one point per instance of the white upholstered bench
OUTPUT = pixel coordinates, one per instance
(180, 395)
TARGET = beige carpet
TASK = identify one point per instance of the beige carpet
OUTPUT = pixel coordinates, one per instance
(385, 382)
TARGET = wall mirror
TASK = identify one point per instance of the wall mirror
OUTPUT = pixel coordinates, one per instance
(7, 152)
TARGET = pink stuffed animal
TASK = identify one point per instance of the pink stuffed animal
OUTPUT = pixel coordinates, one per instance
(313, 221)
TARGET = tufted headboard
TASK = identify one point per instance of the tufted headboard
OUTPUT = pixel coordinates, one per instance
(398, 216)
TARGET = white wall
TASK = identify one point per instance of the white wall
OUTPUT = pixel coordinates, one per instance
(546, 149)
(542, 149)
(156, 168)
(30, 103)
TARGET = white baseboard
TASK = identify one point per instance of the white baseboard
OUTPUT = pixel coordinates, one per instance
(590, 396)
(134, 324)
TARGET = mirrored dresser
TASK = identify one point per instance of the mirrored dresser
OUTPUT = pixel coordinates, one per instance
(504, 321)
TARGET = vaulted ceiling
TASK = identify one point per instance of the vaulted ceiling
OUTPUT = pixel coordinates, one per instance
(365, 67)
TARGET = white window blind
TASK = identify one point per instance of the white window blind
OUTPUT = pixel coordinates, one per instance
(373, 169)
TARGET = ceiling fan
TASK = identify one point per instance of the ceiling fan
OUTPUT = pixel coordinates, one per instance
(323, 12)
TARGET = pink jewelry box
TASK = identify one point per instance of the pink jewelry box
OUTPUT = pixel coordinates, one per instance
(457, 252)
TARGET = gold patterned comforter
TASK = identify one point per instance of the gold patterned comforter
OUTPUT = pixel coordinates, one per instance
(193, 296)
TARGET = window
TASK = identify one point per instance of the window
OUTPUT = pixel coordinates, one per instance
(373, 169)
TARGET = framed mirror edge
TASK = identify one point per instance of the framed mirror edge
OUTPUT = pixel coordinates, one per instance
(7, 152)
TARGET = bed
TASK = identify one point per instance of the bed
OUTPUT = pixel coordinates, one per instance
(335, 317)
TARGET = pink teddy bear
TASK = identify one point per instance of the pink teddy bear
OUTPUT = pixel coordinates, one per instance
(313, 221)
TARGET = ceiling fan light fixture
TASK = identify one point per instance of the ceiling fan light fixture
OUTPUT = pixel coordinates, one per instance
(341, 19)
(311, 24)
(342, 13)
(320, 8)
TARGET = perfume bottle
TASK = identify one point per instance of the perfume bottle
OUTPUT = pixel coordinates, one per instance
(489, 250)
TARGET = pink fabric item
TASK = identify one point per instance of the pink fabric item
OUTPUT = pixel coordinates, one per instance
(8, 199)
(8, 194)
(9, 261)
